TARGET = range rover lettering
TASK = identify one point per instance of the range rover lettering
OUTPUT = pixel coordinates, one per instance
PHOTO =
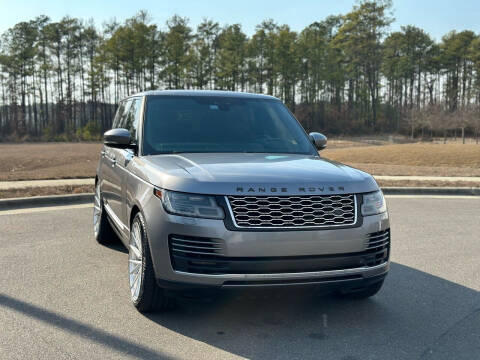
(214, 189)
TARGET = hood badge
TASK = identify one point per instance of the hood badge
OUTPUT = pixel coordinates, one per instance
(309, 189)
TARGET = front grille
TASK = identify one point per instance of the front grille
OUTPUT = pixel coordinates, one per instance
(293, 211)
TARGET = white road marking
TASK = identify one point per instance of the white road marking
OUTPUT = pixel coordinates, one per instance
(44, 208)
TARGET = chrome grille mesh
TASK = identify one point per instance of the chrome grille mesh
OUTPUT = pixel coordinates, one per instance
(293, 211)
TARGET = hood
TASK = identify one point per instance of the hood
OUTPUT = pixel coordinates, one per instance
(250, 174)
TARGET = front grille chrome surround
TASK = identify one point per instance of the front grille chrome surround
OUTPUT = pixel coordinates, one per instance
(298, 212)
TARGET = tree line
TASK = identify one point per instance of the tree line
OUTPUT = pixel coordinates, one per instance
(346, 74)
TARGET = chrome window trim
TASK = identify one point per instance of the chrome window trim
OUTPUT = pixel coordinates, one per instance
(140, 126)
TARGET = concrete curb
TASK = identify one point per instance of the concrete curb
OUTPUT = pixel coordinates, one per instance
(463, 191)
(52, 200)
(58, 200)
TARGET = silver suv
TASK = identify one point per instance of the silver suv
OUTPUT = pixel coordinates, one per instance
(213, 189)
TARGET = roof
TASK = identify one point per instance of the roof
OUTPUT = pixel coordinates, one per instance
(215, 93)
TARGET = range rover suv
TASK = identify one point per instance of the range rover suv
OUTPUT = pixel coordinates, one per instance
(214, 189)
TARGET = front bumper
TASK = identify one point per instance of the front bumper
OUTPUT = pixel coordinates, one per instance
(325, 280)
(254, 245)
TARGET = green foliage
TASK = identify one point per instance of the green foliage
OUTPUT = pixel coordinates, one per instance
(344, 74)
(90, 132)
(178, 57)
(204, 49)
(359, 40)
(231, 58)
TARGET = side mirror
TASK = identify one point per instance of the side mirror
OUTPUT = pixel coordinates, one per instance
(119, 138)
(319, 140)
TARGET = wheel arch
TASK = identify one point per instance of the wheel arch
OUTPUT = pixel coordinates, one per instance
(135, 210)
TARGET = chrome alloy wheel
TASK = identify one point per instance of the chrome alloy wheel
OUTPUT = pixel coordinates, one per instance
(135, 261)
(97, 210)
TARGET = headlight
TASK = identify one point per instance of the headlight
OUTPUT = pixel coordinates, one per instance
(373, 203)
(201, 206)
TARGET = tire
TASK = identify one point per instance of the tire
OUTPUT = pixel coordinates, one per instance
(145, 294)
(362, 293)
(102, 230)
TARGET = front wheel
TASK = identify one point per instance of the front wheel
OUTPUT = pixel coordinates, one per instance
(146, 295)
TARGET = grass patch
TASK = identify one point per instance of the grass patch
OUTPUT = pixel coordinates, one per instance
(411, 159)
(36, 161)
(442, 155)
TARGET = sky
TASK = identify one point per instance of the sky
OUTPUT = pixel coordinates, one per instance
(436, 17)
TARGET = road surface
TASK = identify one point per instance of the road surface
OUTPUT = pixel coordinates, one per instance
(62, 296)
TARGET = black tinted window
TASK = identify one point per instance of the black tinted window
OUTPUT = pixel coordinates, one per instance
(211, 124)
(131, 118)
(120, 113)
(121, 116)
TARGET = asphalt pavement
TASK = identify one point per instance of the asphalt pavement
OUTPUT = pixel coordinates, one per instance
(62, 296)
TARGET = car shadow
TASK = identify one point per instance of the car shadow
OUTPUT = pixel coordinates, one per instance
(409, 318)
(116, 246)
(81, 329)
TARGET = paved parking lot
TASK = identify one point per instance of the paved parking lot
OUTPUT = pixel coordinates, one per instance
(62, 296)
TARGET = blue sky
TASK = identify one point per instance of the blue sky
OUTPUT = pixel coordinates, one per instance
(437, 17)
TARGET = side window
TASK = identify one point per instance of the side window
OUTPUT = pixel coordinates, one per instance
(121, 112)
(132, 117)
(120, 109)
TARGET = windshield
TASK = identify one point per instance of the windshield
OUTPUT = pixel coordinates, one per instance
(175, 124)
